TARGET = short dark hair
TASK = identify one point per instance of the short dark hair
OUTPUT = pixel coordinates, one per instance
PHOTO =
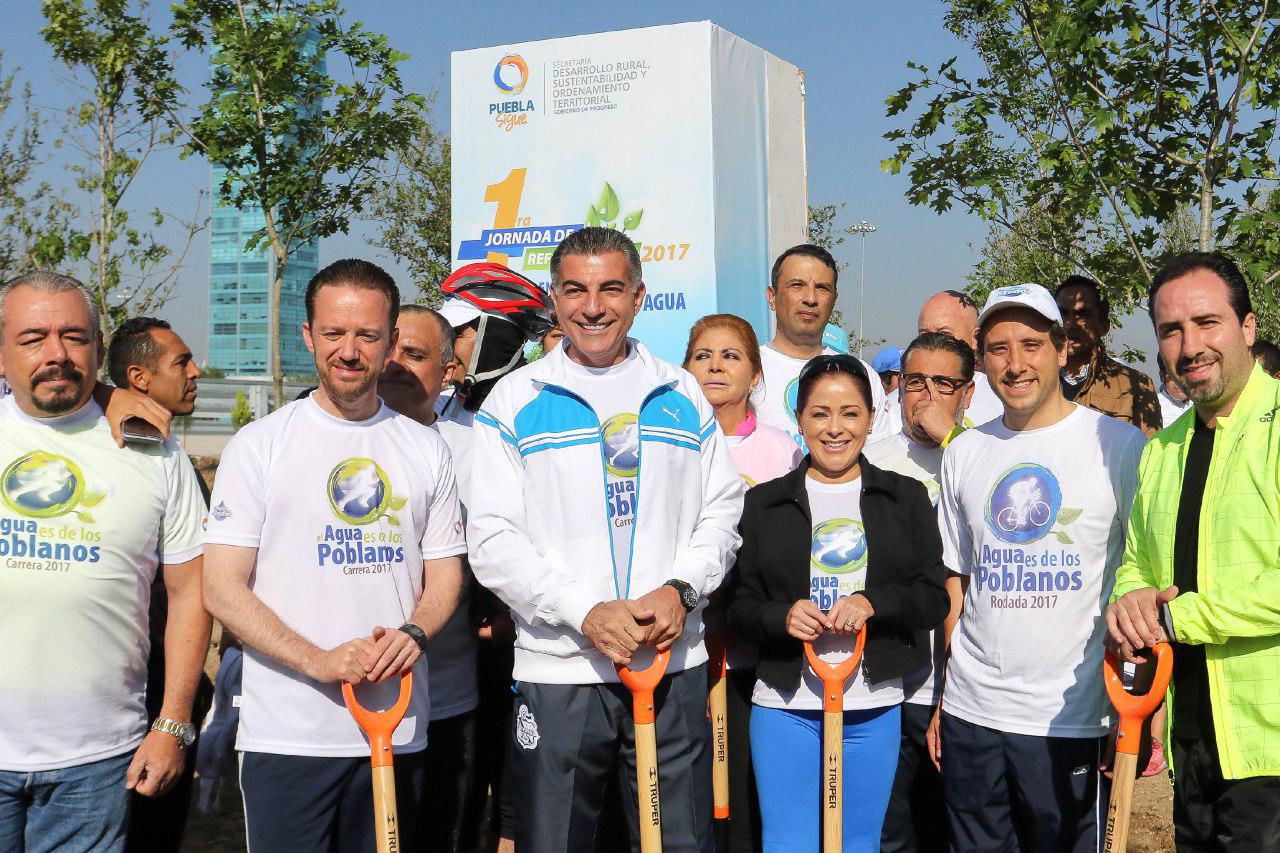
(846, 365)
(133, 344)
(943, 342)
(1088, 284)
(447, 335)
(357, 273)
(596, 240)
(806, 250)
(1217, 263)
(1267, 355)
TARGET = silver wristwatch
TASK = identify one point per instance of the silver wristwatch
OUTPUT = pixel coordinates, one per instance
(184, 732)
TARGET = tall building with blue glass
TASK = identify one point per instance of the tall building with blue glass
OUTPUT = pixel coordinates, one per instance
(240, 291)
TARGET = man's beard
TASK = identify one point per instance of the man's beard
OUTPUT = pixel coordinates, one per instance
(1203, 390)
(58, 402)
(347, 393)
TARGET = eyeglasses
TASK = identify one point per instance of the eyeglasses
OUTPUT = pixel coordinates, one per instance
(838, 362)
(947, 385)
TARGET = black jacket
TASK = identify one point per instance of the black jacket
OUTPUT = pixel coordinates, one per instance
(906, 579)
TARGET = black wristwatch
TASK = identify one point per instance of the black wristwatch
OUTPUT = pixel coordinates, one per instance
(419, 636)
(688, 595)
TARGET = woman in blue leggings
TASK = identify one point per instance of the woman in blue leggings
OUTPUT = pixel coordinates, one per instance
(836, 547)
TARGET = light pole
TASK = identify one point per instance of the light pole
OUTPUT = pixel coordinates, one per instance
(864, 228)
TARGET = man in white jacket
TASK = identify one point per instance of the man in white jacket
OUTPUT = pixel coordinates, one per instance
(608, 514)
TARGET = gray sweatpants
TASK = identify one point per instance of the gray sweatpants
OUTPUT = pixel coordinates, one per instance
(569, 738)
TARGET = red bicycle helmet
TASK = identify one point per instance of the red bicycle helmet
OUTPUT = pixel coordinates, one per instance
(497, 290)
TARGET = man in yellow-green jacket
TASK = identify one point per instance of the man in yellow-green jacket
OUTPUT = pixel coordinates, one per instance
(1202, 561)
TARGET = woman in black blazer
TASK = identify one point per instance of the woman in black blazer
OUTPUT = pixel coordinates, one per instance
(834, 547)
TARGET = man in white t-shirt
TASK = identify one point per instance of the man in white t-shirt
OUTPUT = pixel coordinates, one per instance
(802, 295)
(936, 384)
(1032, 512)
(334, 548)
(84, 527)
(1173, 400)
(955, 313)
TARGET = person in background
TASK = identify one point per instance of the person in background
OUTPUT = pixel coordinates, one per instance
(937, 384)
(1091, 377)
(724, 356)
(888, 365)
(836, 546)
(1173, 401)
(956, 314)
(802, 295)
(85, 526)
(1032, 510)
(1267, 355)
(1200, 566)
(552, 339)
(147, 356)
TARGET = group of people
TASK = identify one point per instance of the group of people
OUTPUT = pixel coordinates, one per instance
(989, 510)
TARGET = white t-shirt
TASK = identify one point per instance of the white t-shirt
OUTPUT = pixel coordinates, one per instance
(837, 568)
(615, 393)
(342, 513)
(1170, 409)
(985, 405)
(781, 378)
(900, 454)
(84, 525)
(1036, 519)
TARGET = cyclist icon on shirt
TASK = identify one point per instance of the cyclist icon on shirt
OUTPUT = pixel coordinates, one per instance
(1023, 504)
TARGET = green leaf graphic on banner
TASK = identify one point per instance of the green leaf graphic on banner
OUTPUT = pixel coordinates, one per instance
(632, 222)
(608, 203)
(593, 216)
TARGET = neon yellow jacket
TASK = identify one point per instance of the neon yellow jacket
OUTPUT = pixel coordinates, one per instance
(1236, 612)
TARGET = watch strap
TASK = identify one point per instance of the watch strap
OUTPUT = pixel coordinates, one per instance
(419, 636)
(688, 596)
(184, 732)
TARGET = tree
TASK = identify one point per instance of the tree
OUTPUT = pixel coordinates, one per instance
(412, 209)
(300, 145)
(1109, 116)
(127, 79)
(241, 413)
(35, 221)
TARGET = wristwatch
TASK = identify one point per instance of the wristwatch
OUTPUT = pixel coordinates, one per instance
(418, 635)
(688, 595)
(184, 732)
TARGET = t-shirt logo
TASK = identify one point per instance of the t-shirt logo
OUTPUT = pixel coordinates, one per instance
(791, 398)
(1024, 504)
(839, 547)
(360, 492)
(622, 445)
(45, 485)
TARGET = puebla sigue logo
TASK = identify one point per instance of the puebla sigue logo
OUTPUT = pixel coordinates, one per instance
(510, 76)
(837, 552)
(620, 435)
(1024, 503)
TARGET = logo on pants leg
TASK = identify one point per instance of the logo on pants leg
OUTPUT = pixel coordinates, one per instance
(526, 728)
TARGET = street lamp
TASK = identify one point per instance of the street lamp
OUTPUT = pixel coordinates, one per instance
(864, 228)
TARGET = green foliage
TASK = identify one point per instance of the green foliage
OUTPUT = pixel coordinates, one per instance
(604, 212)
(303, 146)
(213, 373)
(241, 414)
(412, 210)
(823, 230)
(1106, 121)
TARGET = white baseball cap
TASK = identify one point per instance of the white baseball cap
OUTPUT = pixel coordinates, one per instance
(458, 312)
(1032, 296)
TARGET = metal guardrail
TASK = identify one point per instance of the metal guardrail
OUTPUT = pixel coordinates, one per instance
(216, 397)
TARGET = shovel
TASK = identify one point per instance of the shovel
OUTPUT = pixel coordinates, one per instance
(642, 683)
(718, 708)
(378, 727)
(1133, 710)
(833, 677)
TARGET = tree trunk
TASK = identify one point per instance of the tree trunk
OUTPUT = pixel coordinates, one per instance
(1206, 216)
(274, 359)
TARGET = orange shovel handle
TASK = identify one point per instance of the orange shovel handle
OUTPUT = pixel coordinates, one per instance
(1134, 709)
(378, 726)
(642, 683)
(834, 675)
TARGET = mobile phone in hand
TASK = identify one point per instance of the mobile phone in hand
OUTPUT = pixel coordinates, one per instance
(138, 431)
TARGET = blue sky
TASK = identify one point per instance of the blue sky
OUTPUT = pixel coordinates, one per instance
(853, 55)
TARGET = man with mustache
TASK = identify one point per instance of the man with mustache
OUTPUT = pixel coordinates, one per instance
(1201, 568)
(334, 521)
(1091, 377)
(85, 528)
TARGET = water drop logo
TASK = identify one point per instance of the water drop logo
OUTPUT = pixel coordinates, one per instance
(45, 485)
(622, 445)
(839, 547)
(1024, 504)
(511, 74)
(791, 398)
(360, 492)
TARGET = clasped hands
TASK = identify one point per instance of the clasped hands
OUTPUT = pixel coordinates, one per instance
(617, 628)
(384, 654)
(1133, 622)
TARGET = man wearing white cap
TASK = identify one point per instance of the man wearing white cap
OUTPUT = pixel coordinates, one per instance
(1032, 512)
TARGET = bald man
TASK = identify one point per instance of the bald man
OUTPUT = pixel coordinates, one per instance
(956, 313)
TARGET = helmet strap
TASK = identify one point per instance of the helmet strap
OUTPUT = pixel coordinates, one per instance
(472, 378)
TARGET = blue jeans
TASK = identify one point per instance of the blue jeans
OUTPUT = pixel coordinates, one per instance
(72, 810)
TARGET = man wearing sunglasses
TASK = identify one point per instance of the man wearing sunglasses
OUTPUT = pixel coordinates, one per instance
(936, 386)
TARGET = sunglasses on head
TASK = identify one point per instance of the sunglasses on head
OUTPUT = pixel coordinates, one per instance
(838, 363)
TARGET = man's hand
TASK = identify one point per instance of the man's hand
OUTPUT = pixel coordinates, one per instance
(850, 613)
(668, 616)
(932, 416)
(613, 628)
(805, 620)
(155, 765)
(497, 627)
(933, 738)
(120, 404)
(1133, 621)
(350, 662)
(395, 653)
